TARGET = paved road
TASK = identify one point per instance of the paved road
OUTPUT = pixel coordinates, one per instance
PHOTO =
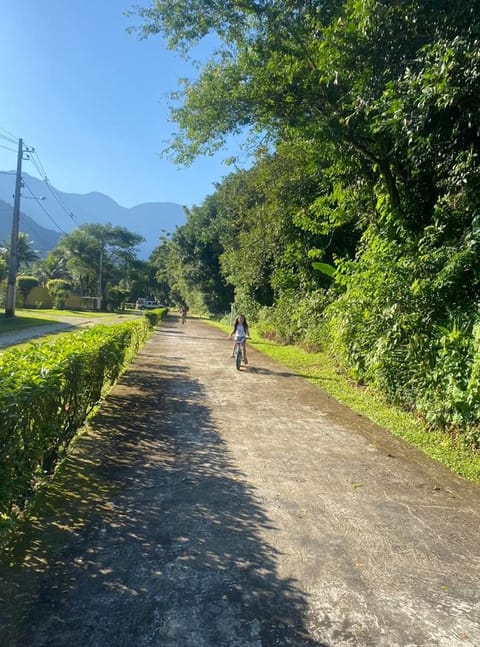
(214, 507)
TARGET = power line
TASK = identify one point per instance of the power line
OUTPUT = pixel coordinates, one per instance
(43, 208)
(7, 148)
(11, 135)
(32, 156)
(38, 165)
(26, 228)
(40, 168)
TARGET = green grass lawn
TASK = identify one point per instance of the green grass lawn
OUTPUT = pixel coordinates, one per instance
(21, 322)
(26, 317)
(32, 318)
(321, 370)
(55, 314)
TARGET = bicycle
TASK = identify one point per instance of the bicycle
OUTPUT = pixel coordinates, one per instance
(238, 354)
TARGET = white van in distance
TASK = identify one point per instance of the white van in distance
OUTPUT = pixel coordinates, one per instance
(145, 304)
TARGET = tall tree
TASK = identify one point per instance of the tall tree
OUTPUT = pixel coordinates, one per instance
(97, 256)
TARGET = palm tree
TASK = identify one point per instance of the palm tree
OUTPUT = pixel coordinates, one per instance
(25, 254)
(55, 266)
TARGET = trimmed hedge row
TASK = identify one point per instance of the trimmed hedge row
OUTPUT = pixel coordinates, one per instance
(46, 394)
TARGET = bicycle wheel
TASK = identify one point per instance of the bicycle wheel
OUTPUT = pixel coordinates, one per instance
(238, 357)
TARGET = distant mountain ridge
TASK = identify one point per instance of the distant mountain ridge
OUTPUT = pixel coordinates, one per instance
(46, 221)
(43, 239)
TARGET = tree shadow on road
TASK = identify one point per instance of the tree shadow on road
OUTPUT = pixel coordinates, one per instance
(261, 370)
(151, 536)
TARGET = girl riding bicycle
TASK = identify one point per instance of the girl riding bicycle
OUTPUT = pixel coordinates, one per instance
(240, 333)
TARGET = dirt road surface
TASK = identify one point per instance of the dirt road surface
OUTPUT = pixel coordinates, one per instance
(242, 509)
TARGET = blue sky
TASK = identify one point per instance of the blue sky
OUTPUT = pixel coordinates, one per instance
(93, 101)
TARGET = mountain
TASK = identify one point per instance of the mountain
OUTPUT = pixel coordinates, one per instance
(60, 213)
(43, 239)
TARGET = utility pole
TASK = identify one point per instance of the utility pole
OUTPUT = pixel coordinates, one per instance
(13, 261)
(100, 278)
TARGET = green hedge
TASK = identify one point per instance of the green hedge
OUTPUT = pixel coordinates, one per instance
(46, 394)
(156, 315)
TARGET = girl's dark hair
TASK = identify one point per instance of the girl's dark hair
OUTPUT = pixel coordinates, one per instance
(245, 323)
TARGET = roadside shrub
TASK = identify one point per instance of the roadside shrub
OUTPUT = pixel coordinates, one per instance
(156, 315)
(116, 297)
(449, 396)
(59, 291)
(47, 392)
(275, 322)
(295, 318)
(397, 327)
(25, 284)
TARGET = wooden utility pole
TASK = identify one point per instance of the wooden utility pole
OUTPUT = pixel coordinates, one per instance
(13, 261)
(100, 278)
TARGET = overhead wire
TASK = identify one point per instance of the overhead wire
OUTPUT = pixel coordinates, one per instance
(5, 212)
(35, 159)
(41, 170)
(43, 208)
(11, 136)
(7, 148)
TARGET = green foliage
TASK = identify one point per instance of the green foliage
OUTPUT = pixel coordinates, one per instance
(449, 393)
(189, 263)
(385, 328)
(26, 256)
(98, 257)
(325, 268)
(295, 320)
(155, 316)
(25, 284)
(366, 121)
(3, 268)
(59, 290)
(117, 296)
(54, 266)
(46, 393)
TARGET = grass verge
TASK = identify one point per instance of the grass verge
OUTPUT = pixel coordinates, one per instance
(50, 313)
(320, 369)
(26, 318)
(21, 323)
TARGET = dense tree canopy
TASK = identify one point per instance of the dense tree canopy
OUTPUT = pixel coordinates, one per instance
(366, 121)
(97, 256)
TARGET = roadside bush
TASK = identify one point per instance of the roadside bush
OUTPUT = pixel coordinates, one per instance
(25, 284)
(59, 291)
(397, 327)
(295, 319)
(47, 392)
(156, 315)
(449, 396)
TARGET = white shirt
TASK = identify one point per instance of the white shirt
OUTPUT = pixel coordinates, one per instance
(240, 332)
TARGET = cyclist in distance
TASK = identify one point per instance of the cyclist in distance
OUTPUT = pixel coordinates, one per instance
(240, 333)
(183, 313)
